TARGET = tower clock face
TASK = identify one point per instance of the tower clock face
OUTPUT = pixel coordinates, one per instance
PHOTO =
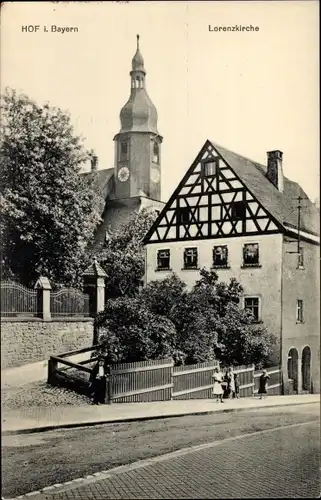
(123, 174)
(155, 175)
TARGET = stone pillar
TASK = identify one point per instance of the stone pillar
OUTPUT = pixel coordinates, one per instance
(94, 285)
(43, 288)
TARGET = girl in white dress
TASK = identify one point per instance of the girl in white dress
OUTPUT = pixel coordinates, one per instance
(217, 385)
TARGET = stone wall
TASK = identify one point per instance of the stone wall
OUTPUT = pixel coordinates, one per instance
(29, 340)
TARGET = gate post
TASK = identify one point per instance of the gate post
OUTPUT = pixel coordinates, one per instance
(43, 288)
(108, 393)
(52, 367)
(94, 284)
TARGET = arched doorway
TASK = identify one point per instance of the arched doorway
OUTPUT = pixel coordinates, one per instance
(293, 368)
(306, 369)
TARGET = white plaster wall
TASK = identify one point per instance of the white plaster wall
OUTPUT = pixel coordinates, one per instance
(264, 281)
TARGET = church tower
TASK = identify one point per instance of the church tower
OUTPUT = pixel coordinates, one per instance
(138, 143)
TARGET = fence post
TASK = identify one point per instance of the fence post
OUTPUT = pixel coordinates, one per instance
(108, 393)
(43, 288)
(172, 380)
(52, 367)
(94, 284)
(253, 381)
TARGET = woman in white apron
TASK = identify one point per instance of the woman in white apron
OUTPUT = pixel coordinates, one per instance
(217, 385)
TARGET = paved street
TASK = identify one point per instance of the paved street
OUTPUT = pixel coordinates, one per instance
(279, 464)
(283, 462)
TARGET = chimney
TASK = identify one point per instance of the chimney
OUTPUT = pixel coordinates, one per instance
(274, 169)
(94, 163)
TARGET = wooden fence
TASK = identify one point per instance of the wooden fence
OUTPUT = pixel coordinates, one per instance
(193, 381)
(157, 380)
(66, 373)
(275, 385)
(142, 381)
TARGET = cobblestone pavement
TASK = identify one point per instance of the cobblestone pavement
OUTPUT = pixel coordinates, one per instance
(39, 394)
(280, 463)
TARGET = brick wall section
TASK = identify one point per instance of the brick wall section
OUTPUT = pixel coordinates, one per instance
(27, 341)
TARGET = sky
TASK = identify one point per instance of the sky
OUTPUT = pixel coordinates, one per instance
(250, 91)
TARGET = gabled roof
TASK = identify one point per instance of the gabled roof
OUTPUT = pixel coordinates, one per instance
(283, 206)
(95, 270)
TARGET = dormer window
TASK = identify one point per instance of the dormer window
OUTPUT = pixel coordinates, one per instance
(155, 152)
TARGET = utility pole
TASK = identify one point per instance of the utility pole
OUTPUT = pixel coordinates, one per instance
(299, 208)
(299, 224)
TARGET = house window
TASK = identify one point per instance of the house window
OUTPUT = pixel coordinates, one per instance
(220, 255)
(183, 215)
(253, 304)
(155, 153)
(209, 168)
(190, 258)
(251, 254)
(238, 210)
(299, 311)
(163, 259)
(123, 151)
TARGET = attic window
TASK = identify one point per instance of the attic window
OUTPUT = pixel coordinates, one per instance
(238, 210)
(183, 215)
(210, 168)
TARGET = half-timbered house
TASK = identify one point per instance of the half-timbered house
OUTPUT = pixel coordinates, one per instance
(248, 221)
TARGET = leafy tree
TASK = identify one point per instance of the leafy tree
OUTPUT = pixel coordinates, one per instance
(130, 332)
(164, 296)
(212, 325)
(49, 211)
(193, 326)
(123, 257)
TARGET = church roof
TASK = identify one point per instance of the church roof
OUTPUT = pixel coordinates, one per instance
(139, 113)
(281, 205)
(104, 181)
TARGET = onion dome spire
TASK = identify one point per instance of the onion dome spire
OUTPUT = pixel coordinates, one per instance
(139, 113)
(138, 61)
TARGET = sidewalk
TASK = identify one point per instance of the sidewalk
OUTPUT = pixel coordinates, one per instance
(19, 376)
(39, 419)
